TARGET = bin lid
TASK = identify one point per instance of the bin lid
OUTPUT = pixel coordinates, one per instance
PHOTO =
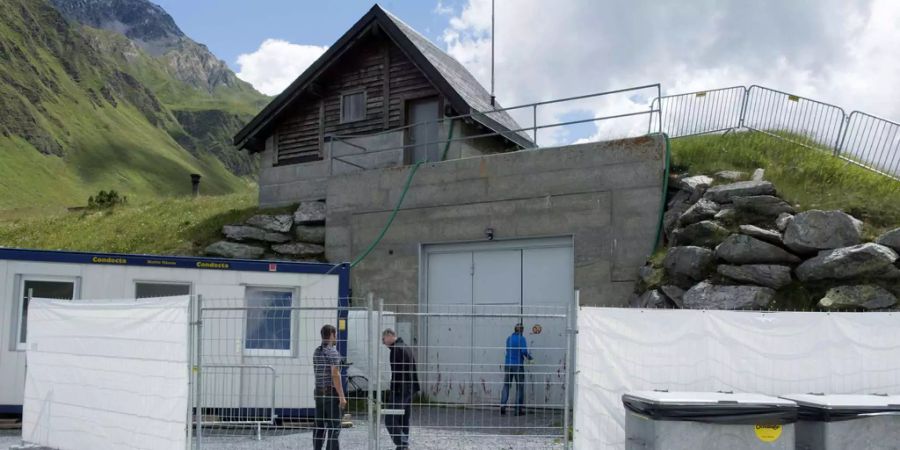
(836, 407)
(711, 407)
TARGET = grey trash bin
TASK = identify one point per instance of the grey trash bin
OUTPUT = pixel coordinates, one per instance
(657, 420)
(830, 422)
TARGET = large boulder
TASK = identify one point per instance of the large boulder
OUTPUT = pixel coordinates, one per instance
(702, 234)
(651, 276)
(727, 192)
(768, 275)
(702, 210)
(730, 175)
(890, 239)
(670, 218)
(761, 206)
(814, 230)
(652, 299)
(687, 264)
(758, 175)
(770, 236)
(299, 249)
(863, 296)
(693, 184)
(858, 261)
(242, 233)
(234, 250)
(674, 293)
(280, 223)
(709, 296)
(743, 249)
(311, 234)
(783, 220)
(308, 213)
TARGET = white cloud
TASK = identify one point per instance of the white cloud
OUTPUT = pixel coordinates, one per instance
(832, 50)
(442, 9)
(276, 63)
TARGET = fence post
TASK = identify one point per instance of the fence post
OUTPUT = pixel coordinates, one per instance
(571, 331)
(199, 384)
(191, 393)
(373, 363)
(378, 369)
(842, 134)
(744, 102)
(534, 123)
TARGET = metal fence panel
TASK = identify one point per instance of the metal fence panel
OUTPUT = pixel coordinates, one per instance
(701, 112)
(800, 120)
(460, 351)
(873, 143)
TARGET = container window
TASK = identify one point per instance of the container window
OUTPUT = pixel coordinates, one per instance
(37, 288)
(152, 289)
(269, 322)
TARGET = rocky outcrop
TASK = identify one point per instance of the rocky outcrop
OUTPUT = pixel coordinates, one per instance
(687, 264)
(761, 207)
(865, 296)
(280, 223)
(890, 239)
(227, 249)
(706, 295)
(743, 249)
(740, 246)
(770, 236)
(310, 213)
(811, 231)
(702, 234)
(702, 210)
(652, 299)
(727, 192)
(768, 275)
(299, 249)
(858, 261)
(242, 233)
(297, 236)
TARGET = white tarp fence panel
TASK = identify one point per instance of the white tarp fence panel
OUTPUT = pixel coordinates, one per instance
(772, 353)
(107, 374)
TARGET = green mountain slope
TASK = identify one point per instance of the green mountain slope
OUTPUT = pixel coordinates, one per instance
(84, 109)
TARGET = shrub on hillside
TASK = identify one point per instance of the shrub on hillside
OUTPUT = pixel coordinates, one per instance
(106, 199)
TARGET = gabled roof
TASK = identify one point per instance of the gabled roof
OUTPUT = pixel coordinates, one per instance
(464, 93)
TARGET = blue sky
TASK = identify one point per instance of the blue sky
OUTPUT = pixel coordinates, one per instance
(837, 51)
(232, 27)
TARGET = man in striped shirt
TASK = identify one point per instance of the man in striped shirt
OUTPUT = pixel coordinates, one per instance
(329, 394)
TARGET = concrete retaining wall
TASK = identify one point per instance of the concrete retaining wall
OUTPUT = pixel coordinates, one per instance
(607, 195)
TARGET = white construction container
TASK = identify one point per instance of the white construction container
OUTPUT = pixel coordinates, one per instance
(658, 420)
(74, 275)
(832, 422)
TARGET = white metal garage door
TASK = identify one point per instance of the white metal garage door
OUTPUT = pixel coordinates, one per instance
(464, 355)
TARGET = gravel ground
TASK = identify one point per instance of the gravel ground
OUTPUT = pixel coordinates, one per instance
(431, 429)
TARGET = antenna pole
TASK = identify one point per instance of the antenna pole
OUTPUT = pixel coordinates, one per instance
(492, 53)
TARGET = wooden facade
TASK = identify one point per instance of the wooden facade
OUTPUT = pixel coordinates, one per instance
(374, 65)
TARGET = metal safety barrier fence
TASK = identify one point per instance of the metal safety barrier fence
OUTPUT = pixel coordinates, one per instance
(858, 138)
(445, 383)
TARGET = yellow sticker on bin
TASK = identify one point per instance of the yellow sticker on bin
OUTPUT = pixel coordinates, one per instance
(768, 433)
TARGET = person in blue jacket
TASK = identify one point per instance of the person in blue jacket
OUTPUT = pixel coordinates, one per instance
(516, 352)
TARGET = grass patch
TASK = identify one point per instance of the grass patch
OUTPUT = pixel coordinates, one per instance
(178, 226)
(807, 178)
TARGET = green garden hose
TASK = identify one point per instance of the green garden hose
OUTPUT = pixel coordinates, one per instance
(665, 190)
(409, 178)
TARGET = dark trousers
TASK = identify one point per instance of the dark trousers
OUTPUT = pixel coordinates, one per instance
(514, 374)
(397, 425)
(328, 420)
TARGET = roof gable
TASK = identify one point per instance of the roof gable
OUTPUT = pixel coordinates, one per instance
(461, 89)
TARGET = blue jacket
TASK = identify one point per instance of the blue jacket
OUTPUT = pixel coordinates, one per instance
(516, 350)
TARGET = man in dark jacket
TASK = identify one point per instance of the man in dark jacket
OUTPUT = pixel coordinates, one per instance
(404, 385)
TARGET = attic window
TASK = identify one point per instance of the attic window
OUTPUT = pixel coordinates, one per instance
(353, 107)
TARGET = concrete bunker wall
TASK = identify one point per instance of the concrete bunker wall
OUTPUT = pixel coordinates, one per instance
(605, 195)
